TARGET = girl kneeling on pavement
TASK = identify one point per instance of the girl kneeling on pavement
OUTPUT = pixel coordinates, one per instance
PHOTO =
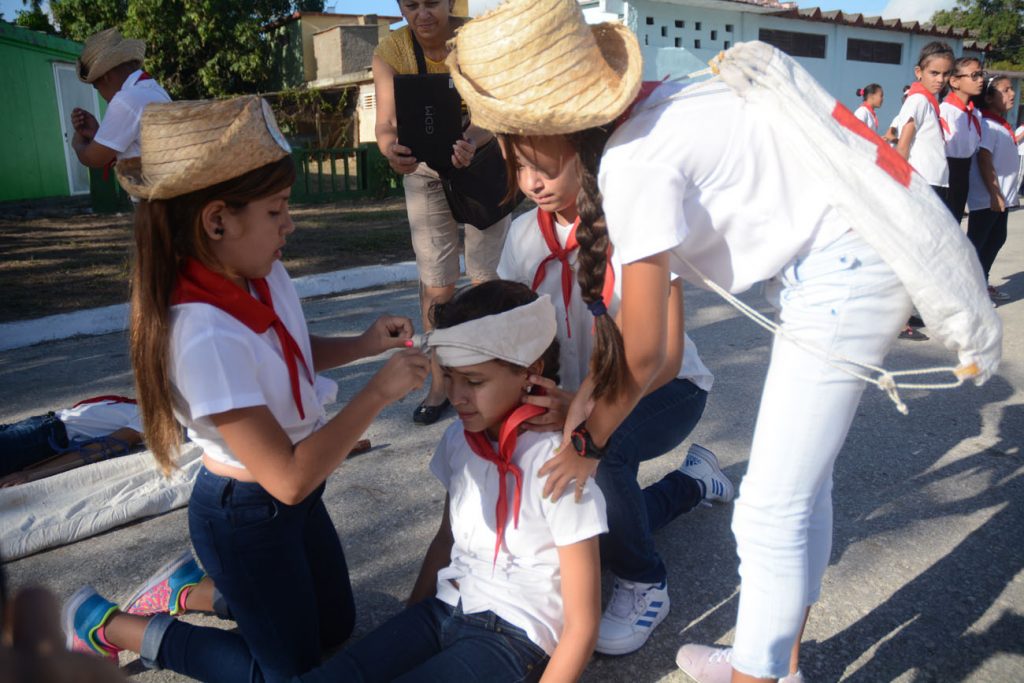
(219, 345)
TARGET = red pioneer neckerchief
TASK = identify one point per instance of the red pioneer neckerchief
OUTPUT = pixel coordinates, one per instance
(918, 89)
(874, 116)
(109, 398)
(546, 220)
(968, 109)
(109, 166)
(507, 437)
(199, 284)
(988, 114)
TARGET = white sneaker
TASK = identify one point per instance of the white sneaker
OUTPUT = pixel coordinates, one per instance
(706, 664)
(702, 465)
(632, 615)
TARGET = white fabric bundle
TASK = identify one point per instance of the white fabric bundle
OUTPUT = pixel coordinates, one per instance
(519, 336)
(910, 227)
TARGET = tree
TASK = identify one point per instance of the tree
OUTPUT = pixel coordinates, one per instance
(35, 19)
(999, 22)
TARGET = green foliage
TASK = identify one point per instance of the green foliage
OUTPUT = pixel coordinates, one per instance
(999, 22)
(35, 19)
(79, 19)
(295, 106)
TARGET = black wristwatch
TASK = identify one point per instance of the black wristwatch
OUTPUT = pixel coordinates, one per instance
(584, 443)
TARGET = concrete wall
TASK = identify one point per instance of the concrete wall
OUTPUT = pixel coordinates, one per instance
(344, 50)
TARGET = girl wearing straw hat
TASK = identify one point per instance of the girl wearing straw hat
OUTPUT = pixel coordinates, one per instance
(219, 345)
(746, 198)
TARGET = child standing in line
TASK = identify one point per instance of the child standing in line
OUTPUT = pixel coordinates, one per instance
(993, 177)
(510, 588)
(867, 112)
(543, 251)
(219, 344)
(963, 122)
(922, 139)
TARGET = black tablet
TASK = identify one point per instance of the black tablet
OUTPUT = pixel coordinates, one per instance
(429, 113)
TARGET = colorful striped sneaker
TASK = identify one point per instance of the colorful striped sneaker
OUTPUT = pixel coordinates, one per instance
(161, 593)
(633, 612)
(84, 614)
(702, 465)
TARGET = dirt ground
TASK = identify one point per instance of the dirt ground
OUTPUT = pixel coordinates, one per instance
(62, 259)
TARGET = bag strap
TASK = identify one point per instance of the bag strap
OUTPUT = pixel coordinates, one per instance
(421, 61)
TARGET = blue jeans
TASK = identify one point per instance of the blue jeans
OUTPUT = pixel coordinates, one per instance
(282, 572)
(433, 641)
(28, 441)
(659, 423)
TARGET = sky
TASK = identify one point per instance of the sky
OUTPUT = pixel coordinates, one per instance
(919, 10)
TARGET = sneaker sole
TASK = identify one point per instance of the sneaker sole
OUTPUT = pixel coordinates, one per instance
(67, 617)
(712, 459)
(161, 574)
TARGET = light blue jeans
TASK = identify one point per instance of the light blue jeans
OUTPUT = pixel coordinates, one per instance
(843, 299)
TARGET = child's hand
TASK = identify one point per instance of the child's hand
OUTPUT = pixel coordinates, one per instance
(387, 332)
(566, 468)
(84, 123)
(556, 400)
(404, 371)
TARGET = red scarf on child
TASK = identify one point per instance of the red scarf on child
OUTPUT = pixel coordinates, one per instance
(198, 284)
(956, 102)
(546, 220)
(507, 437)
(918, 89)
(988, 114)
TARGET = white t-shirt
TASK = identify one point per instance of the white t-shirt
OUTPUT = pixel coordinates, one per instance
(92, 420)
(524, 587)
(219, 364)
(523, 251)
(928, 151)
(863, 114)
(120, 127)
(1006, 162)
(963, 138)
(734, 199)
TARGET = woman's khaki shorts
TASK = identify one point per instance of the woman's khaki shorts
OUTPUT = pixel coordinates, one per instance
(435, 234)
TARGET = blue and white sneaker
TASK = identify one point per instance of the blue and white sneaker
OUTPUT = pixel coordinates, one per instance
(633, 612)
(84, 614)
(702, 465)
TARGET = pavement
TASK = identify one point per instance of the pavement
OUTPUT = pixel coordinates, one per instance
(926, 580)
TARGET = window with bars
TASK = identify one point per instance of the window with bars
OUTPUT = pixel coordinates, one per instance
(793, 43)
(875, 51)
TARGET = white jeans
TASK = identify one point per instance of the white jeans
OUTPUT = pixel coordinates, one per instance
(841, 298)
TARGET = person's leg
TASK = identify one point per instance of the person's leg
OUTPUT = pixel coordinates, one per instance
(483, 250)
(326, 558)
(980, 225)
(996, 240)
(30, 441)
(842, 300)
(956, 194)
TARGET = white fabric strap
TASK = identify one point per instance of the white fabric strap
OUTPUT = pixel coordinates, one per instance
(519, 336)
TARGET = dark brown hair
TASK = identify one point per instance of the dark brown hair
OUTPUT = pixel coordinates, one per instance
(868, 90)
(936, 48)
(167, 232)
(989, 91)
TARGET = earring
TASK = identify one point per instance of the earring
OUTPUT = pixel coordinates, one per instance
(218, 231)
(529, 387)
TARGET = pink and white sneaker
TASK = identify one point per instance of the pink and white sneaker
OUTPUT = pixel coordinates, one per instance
(706, 664)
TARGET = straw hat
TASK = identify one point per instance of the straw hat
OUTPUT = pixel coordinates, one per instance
(187, 146)
(105, 50)
(534, 67)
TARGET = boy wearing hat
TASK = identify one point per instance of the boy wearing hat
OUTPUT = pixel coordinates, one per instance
(113, 65)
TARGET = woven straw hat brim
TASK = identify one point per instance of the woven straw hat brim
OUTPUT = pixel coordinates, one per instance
(537, 68)
(187, 146)
(105, 50)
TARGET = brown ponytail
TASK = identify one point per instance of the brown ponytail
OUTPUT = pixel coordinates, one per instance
(608, 359)
(167, 232)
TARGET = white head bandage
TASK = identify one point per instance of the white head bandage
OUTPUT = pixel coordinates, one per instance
(519, 336)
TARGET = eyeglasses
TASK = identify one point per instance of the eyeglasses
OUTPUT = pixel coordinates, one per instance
(974, 75)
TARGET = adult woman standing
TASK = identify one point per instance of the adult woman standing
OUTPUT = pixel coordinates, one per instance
(435, 236)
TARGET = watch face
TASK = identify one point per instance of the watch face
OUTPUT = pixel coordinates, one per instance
(578, 443)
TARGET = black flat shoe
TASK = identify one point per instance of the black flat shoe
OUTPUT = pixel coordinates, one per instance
(428, 415)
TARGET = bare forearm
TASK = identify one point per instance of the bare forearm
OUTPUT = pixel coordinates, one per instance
(332, 352)
(988, 173)
(906, 139)
(571, 656)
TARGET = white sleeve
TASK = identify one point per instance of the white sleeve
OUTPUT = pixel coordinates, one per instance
(988, 136)
(120, 126)
(216, 372)
(863, 116)
(915, 108)
(639, 228)
(440, 464)
(571, 522)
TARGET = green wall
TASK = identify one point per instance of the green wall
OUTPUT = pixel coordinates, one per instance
(32, 164)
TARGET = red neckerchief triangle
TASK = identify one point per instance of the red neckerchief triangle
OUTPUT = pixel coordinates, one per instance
(507, 437)
(108, 398)
(954, 101)
(918, 89)
(886, 158)
(546, 221)
(874, 116)
(989, 114)
(198, 284)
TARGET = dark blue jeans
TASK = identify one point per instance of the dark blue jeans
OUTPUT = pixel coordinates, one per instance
(29, 441)
(283, 575)
(432, 641)
(658, 424)
(986, 229)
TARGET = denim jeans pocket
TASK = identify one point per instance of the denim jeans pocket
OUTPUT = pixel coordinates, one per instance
(253, 513)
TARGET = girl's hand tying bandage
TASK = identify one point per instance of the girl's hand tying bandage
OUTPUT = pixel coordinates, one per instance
(387, 332)
(555, 399)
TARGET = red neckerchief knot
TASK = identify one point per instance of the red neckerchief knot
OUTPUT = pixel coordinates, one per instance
(989, 114)
(198, 284)
(546, 221)
(874, 116)
(954, 101)
(507, 437)
(918, 89)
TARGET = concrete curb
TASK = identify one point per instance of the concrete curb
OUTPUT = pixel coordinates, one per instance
(95, 321)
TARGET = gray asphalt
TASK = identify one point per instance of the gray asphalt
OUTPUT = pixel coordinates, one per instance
(925, 581)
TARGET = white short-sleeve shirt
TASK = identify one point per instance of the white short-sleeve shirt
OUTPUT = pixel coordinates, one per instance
(524, 587)
(863, 114)
(963, 138)
(928, 150)
(733, 199)
(120, 127)
(1006, 162)
(219, 364)
(102, 418)
(523, 251)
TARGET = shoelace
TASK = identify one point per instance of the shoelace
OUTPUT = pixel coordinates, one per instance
(625, 600)
(723, 655)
